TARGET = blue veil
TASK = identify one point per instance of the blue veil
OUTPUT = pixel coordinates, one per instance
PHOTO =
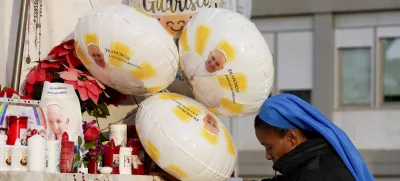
(290, 112)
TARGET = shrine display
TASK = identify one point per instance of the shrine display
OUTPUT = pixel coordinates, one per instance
(118, 51)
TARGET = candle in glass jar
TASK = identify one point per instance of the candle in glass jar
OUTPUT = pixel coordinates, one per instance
(111, 157)
(16, 128)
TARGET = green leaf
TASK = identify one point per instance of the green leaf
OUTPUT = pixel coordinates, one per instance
(28, 60)
(77, 157)
(90, 103)
(99, 158)
(102, 138)
(79, 141)
(5, 87)
(85, 163)
(103, 107)
(37, 92)
(57, 78)
(89, 145)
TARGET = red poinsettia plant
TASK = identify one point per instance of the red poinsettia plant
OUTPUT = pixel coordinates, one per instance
(63, 65)
(9, 93)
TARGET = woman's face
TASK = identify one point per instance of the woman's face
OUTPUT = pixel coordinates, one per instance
(275, 146)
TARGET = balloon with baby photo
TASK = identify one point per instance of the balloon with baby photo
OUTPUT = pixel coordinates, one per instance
(226, 62)
(185, 139)
(173, 15)
(126, 49)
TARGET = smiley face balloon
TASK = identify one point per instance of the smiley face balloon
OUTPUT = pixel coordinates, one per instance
(174, 14)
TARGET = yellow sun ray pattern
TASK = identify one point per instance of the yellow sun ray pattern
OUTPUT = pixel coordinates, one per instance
(178, 171)
(91, 38)
(228, 49)
(184, 40)
(154, 89)
(152, 151)
(186, 113)
(119, 54)
(236, 82)
(145, 72)
(233, 108)
(167, 96)
(203, 34)
(230, 147)
(215, 110)
(81, 54)
(209, 137)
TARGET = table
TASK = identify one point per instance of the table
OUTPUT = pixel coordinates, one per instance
(42, 176)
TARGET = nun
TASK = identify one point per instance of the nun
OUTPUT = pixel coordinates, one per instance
(304, 145)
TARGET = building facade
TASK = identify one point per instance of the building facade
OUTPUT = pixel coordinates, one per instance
(343, 56)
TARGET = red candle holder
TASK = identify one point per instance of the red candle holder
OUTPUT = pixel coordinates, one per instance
(111, 157)
(131, 132)
(16, 128)
(67, 154)
(93, 166)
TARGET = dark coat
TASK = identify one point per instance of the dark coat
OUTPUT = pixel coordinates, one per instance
(314, 160)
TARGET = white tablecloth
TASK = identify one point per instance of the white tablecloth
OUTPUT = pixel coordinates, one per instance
(38, 176)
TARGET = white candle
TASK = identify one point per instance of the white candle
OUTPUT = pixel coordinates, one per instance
(125, 160)
(5, 154)
(118, 132)
(37, 150)
(19, 157)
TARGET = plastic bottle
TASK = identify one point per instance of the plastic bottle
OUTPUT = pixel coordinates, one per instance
(53, 152)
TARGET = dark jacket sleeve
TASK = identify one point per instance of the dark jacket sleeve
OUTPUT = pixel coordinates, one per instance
(276, 178)
(321, 176)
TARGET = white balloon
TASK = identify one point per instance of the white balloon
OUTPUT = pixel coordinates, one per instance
(185, 139)
(126, 49)
(227, 62)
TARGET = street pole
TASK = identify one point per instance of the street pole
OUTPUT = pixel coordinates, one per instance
(19, 47)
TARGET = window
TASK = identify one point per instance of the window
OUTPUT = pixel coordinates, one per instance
(390, 63)
(303, 94)
(294, 67)
(355, 76)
